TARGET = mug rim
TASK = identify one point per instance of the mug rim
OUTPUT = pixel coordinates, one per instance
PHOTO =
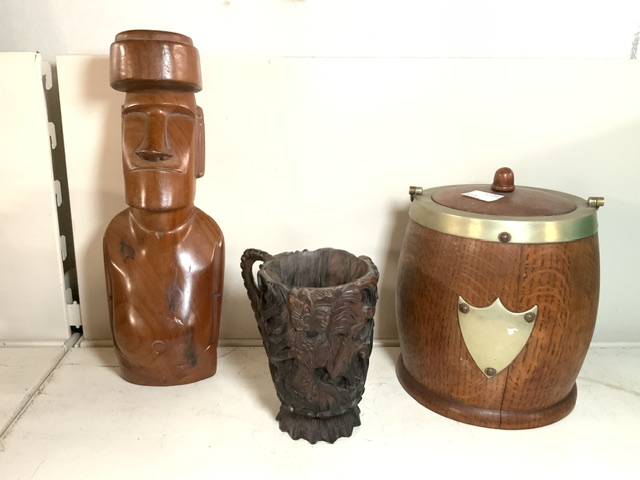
(371, 272)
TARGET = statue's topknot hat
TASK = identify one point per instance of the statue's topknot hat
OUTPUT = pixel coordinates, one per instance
(151, 59)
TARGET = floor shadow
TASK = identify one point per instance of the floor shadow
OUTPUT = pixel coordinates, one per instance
(252, 369)
(386, 326)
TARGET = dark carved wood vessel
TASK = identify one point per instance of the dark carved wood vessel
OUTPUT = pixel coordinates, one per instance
(164, 258)
(497, 298)
(315, 313)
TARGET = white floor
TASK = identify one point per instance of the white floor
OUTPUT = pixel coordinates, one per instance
(70, 416)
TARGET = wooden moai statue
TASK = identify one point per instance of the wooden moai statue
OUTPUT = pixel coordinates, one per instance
(164, 258)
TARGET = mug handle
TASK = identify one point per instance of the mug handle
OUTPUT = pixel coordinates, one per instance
(249, 257)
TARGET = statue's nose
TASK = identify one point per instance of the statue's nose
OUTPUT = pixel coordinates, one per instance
(154, 147)
(153, 155)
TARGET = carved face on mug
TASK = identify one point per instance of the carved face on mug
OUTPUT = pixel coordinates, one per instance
(162, 149)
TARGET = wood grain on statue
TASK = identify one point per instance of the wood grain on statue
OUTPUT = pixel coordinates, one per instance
(164, 258)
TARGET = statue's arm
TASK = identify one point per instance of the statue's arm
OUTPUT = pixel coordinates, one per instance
(109, 285)
(218, 285)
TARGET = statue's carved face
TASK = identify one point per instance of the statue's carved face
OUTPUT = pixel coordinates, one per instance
(160, 132)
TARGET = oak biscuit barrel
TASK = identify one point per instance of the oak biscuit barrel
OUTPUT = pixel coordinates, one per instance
(497, 298)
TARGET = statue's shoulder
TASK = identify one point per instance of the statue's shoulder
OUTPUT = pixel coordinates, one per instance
(121, 221)
(209, 230)
(119, 230)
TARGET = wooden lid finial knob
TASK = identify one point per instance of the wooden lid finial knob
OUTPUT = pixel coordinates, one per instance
(503, 180)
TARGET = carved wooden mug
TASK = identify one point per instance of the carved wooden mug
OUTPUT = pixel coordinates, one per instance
(164, 258)
(315, 313)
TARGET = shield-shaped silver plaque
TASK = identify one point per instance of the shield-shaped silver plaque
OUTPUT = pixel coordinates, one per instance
(493, 335)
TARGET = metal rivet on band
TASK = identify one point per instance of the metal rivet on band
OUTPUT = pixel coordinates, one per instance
(490, 372)
(529, 317)
(463, 307)
(504, 237)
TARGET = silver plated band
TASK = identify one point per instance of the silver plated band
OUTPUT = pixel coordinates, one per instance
(580, 223)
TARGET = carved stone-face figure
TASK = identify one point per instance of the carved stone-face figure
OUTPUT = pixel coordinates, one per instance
(164, 257)
(161, 151)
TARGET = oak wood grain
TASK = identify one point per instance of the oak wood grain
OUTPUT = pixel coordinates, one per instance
(435, 366)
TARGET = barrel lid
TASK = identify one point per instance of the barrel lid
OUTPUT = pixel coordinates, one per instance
(502, 212)
(503, 198)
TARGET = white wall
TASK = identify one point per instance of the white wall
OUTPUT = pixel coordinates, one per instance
(32, 287)
(309, 137)
(372, 28)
